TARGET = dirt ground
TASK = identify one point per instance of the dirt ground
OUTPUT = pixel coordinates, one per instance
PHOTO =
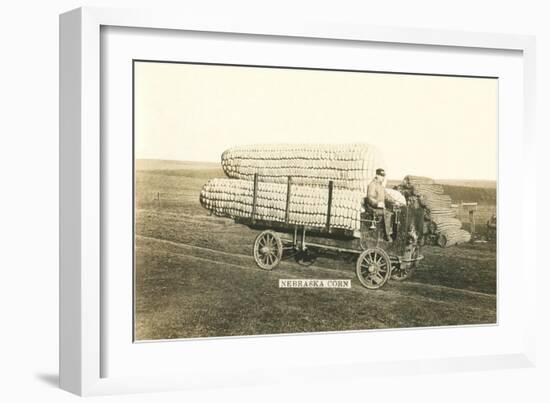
(196, 277)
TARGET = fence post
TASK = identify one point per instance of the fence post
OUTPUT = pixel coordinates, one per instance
(329, 208)
(254, 197)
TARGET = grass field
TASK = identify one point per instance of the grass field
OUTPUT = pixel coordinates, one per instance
(196, 277)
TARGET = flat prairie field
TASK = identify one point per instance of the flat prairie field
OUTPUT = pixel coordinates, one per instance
(196, 276)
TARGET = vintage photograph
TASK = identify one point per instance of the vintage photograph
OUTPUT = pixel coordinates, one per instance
(273, 200)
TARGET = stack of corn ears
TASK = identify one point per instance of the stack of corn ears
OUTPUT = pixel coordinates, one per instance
(435, 202)
(440, 224)
(453, 237)
(307, 205)
(349, 166)
(440, 216)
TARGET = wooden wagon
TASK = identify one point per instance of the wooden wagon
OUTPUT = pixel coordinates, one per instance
(378, 255)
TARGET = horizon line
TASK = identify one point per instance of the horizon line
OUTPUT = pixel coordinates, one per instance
(392, 179)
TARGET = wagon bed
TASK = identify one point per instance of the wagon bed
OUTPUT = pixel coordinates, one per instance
(378, 258)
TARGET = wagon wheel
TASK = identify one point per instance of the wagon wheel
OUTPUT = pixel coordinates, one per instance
(373, 268)
(268, 250)
(402, 272)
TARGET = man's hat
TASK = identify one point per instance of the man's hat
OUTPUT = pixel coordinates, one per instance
(380, 172)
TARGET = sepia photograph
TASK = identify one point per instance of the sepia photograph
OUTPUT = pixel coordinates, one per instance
(272, 200)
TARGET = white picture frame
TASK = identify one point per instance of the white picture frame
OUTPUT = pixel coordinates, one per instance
(83, 309)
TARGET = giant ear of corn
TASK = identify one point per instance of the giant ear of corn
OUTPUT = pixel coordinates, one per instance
(308, 205)
(440, 217)
(349, 166)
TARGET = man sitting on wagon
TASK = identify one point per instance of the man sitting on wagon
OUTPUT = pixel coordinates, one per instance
(376, 196)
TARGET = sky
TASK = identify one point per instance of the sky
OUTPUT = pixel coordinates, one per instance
(441, 127)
